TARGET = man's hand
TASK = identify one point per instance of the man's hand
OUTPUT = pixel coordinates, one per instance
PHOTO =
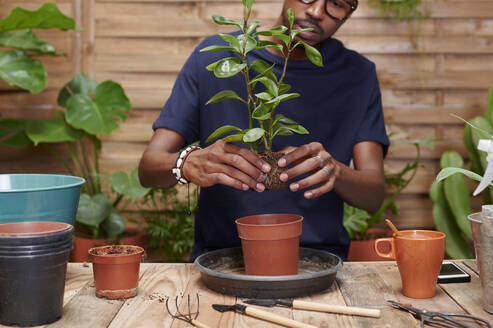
(227, 164)
(310, 158)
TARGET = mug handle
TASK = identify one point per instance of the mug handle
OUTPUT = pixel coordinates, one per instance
(391, 253)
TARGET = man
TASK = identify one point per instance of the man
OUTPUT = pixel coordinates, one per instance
(340, 106)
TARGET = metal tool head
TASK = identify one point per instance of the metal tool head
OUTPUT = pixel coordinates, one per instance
(224, 308)
(187, 315)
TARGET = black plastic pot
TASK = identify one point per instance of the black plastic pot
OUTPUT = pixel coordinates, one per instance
(50, 246)
(36, 251)
(32, 288)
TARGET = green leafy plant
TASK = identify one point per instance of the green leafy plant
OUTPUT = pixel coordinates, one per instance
(261, 106)
(357, 221)
(450, 192)
(90, 110)
(398, 9)
(171, 229)
(17, 66)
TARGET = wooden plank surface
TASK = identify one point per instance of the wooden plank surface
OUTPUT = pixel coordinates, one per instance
(368, 284)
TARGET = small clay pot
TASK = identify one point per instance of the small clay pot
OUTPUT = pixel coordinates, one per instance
(116, 270)
(270, 243)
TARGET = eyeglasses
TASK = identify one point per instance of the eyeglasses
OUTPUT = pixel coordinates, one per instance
(338, 10)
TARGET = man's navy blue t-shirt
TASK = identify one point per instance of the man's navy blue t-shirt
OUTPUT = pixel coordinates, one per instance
(340, 105)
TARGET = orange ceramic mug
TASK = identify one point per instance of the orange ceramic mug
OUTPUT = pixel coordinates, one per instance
(419, 256)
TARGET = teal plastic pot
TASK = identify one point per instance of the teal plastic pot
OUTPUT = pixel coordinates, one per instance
(39, 197)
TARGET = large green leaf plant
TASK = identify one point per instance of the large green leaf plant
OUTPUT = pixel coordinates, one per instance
(90, 110)
(18, 67)
(450, 192)
(261, 106)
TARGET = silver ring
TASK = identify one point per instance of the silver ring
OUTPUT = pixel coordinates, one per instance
(320, 159)
(326, 169)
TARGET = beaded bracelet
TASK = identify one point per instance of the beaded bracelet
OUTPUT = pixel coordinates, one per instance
(179, 164)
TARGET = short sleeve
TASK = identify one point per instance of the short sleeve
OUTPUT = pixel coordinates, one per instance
(181, 111)
(372, 127)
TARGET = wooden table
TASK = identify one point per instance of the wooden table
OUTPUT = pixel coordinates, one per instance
(364, 284)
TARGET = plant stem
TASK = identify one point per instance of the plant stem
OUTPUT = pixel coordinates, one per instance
(78, 166)
(96, 165)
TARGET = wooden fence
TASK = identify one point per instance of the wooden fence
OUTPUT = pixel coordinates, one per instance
(428, 69)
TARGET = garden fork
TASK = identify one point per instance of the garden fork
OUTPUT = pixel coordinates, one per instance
(190, 316)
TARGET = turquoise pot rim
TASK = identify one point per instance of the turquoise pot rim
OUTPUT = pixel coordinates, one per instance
(77, 182)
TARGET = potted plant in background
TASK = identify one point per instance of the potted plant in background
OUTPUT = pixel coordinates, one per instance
(264, 124)
(398, 9)
(91, 109)
(450, 192)
(18, 67)
(359, 223)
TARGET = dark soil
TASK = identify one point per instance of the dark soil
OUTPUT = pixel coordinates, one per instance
(272, 181)
(114, 249)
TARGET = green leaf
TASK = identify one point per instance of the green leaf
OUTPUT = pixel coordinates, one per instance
(99, 115)
(228, 67)
(263, 69)
(80, 84)
(279, 30)
(223, 95)
(51, 131)
(114, 224)
(12, 133)
(253, 135)
(128, 185)
(313, 55)
(355, 220)
(261, 44)
(248, 4)
(220, 20)
(283, 97)
(261, 112)
(264, 96)
(93, 210)
(252, 27)
(284, 88)
(291, 127)
(294, 33)
(234, 137)
(26, 40)
(448, 171)
(21, 71)
(217, 48)
(489, 107)
(247, 43)
(46, 17)
(221, 131)
(270, 84)
(290, 16)
(232, 40)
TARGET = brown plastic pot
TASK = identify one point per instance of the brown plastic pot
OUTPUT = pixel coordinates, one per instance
(270, 243)
(116, 270)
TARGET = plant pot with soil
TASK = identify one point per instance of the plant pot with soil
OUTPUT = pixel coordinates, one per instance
(264, 92)
(270, 243)
(116, 270)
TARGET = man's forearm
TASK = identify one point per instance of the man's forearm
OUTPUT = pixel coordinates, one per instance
(364, 189)
(155, 169)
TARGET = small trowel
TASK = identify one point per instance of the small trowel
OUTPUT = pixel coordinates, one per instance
(321, 307)
(261, 314)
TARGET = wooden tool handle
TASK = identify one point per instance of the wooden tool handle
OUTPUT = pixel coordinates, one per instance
(198, 324)
(272, 317)
(342, 309)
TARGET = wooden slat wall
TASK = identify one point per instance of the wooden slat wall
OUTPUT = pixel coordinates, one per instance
(428, 70)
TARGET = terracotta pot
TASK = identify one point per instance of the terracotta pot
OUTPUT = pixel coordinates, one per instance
(363, 250)
(116, 270)
(270, 243)
(131, 236)
(83, 245)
